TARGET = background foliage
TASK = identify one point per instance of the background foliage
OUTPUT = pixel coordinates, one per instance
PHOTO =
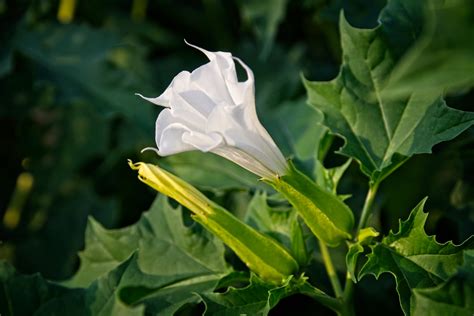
(69, 119)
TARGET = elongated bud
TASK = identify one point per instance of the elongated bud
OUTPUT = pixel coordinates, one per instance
(324, 212)
(260, 253)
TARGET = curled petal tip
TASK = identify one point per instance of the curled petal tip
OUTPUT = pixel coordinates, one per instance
(150, 148)
(134, 166)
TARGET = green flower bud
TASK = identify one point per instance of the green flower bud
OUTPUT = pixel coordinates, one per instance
(260, 253)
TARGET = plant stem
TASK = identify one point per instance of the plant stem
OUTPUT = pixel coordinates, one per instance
(336, 285)
(325, 300)
(367, 209)
(366, 212)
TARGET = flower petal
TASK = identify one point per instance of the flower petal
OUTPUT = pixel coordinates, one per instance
(179, 83)
(208, 78)
(170, 140)
(203, 142)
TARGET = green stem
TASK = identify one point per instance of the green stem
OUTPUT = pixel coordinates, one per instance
(348, 295)
(324, 299)
(366, 212)
(336, 285)
(367, 209)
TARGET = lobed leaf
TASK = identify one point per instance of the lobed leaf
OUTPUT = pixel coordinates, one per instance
(381, 132)
(416, 260)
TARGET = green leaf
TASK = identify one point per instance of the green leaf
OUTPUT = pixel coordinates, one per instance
(416, 260)
(380, 132)
(161, 292)
(264, 16)
(195, 167)
(281, 224)
(31, 294)
(91, 64)
(443, 57)
(295, 126)
(258, 298)
(356, 249)
(329, 178)
(165, 247)
(101, 297)
(454, 297)
(24, 294)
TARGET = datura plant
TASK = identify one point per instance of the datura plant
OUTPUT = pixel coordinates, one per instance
(210, 110)
(288, 230)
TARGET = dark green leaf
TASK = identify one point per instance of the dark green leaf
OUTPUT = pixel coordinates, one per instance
(165, 247)
(416, 260)
(255, 299)
(329, 178)
(25, 294)
(443, 58)
(297, 128)
(380, 132)
(454, 297)
(264, 16)
(196, 168)
(280, 224)
(88, 63)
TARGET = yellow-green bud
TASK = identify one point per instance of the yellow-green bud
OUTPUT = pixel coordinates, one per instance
(260, 253)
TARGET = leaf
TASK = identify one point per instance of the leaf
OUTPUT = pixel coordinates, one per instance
(258, 298)
(91, 64)
(454, 297)
(280, 224)
(443, 57)
(101, 297)
(24, 294)
(161, 293)
(195, 167)
(329, 178)
(416, 260)
(165, 247)
(380, 132)
(294, 126)
(264, 16)
(356, 249)
(255, 299)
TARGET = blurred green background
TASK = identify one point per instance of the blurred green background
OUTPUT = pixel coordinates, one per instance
(69, 118)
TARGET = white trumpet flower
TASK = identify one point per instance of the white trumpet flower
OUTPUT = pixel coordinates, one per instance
(211, 111)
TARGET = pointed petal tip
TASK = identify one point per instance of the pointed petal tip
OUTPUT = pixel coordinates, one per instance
(210, 55)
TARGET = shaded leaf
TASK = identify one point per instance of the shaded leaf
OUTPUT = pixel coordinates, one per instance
(356, 249)
(255, 299)
(165, 247)
(295, 125)
(196, 168)
(454, 297)
(281, 224)
(329, 178)
(25, 294)
(416, 260)
(264, 16)
(443, 57)
(380, 132)
(88, 63)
